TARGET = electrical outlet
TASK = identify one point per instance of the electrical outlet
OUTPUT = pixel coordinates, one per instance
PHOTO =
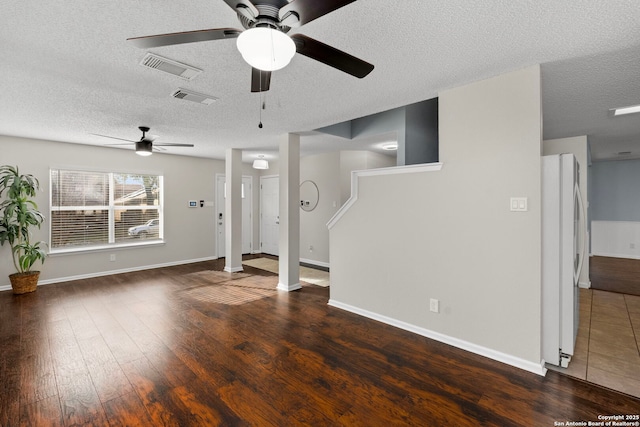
(434, 305)
(112, 257)
(632, 245)
(310, 248)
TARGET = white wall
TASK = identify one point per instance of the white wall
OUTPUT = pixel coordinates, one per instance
(619, 239)
(359, 160)
(331, 172)
(579, 147)
(189, 233)
(321, 169)
(450, 235)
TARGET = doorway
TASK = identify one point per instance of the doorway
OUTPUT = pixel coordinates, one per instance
(247, 207)
(269, 214)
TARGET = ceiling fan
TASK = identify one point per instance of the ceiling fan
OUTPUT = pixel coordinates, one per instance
(264, 43)
(145, 146)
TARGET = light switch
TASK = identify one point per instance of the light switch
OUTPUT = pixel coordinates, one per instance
(519, 204)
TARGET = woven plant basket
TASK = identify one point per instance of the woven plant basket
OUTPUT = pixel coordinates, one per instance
(23, 283)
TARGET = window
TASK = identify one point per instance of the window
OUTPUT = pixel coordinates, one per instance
(91, 210)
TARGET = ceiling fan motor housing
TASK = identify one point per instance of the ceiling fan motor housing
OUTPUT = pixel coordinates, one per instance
(144, 145)
(267, 17)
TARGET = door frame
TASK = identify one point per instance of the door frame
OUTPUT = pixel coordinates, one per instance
(219, 176)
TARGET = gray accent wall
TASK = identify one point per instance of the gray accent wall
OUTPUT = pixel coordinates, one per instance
(421, 132)
(385, 122)
(415, 127)
(615, 190)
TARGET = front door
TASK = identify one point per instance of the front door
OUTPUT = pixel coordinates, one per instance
(269, 214)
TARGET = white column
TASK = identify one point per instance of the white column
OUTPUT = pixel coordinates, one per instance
(289, 249)
(233, 211)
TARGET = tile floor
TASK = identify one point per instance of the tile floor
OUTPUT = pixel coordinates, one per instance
(608, 344)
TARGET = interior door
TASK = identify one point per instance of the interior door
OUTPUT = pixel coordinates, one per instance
(269, 214)
(247, 206)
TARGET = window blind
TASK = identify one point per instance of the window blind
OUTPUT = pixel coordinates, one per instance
(102, 208)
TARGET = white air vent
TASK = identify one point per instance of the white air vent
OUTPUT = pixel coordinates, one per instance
(189, 95)
(157, 62)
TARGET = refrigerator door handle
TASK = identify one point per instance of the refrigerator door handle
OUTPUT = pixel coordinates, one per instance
(578, 195)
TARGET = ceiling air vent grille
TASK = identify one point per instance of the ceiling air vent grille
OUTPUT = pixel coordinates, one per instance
(176, 68)
(189, 95)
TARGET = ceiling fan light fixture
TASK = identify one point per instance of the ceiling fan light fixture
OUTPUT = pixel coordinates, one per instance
(266, 48)
(144, 148)
(260, 163)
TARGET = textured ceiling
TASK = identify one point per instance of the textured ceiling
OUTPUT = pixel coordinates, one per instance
(67, 72)
(578, 94)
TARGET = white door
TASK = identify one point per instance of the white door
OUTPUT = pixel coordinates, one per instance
(269, 214)
(247, 229)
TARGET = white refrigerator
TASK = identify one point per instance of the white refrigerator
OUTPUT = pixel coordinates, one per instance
(563, 250)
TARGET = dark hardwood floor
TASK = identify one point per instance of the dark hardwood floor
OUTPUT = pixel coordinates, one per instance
(620, 275)
(187, 346)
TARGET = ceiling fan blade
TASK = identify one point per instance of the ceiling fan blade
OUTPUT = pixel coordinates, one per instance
(331, 56)
(260, 80)
(184, 37)
(155, 144)
(113, 137)
(308, 10)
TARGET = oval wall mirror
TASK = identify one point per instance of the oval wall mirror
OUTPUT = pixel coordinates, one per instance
(309, 195)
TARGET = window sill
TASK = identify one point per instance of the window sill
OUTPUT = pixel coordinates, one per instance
(104, 248)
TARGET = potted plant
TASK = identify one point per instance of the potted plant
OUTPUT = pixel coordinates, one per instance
(18, 213)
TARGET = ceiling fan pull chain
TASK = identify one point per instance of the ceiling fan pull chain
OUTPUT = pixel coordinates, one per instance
(260, 101)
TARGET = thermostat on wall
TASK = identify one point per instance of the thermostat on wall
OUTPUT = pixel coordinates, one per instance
(193, 204)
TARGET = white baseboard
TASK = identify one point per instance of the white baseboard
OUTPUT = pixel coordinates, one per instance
(110, 272)
(314, 262)
(617, 239)
(615, 255)
(288, 288)
(233, 270)
(455, 342)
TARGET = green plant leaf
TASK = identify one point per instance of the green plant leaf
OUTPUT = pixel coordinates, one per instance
(18, 213)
